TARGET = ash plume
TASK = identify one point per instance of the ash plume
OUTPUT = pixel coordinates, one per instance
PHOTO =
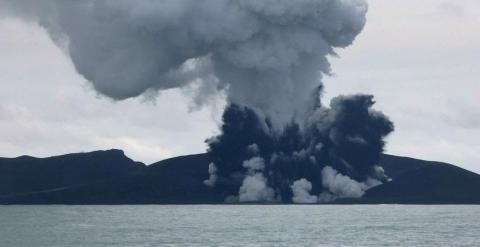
(126, 48)
(333, 154)
(278, 142)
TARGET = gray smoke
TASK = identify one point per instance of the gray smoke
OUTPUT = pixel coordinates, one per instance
(276, 47)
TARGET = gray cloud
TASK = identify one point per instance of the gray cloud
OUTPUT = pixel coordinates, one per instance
(128, 48)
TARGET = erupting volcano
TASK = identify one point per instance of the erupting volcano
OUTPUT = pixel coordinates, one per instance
(279, 142)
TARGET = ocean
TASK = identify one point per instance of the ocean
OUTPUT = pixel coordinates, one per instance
(240, 225)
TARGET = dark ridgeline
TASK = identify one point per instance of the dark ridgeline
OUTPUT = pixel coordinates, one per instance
(433, 183)
(109, 177)
(26, 174)
(178, 180)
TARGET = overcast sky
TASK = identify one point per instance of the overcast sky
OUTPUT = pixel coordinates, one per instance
(421, 59)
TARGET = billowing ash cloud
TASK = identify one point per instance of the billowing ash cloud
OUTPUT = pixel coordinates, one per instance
(276, 47)
(277, 142)
(332, 154)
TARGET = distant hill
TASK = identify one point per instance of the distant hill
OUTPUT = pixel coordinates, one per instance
(27, 174)
(436, 183)
(395, 166)
(176, 180)
(109, 177)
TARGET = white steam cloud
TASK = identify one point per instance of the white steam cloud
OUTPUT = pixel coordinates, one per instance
(212, 170)
(301, 192)
(341, 186)
(336, 186)
(255, 189)
(254, 186)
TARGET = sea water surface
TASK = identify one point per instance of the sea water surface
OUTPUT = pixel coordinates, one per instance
(249, 225)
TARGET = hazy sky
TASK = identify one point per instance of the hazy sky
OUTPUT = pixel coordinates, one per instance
(421, 59)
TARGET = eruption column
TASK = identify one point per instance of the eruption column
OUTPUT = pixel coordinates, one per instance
(267, 57)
